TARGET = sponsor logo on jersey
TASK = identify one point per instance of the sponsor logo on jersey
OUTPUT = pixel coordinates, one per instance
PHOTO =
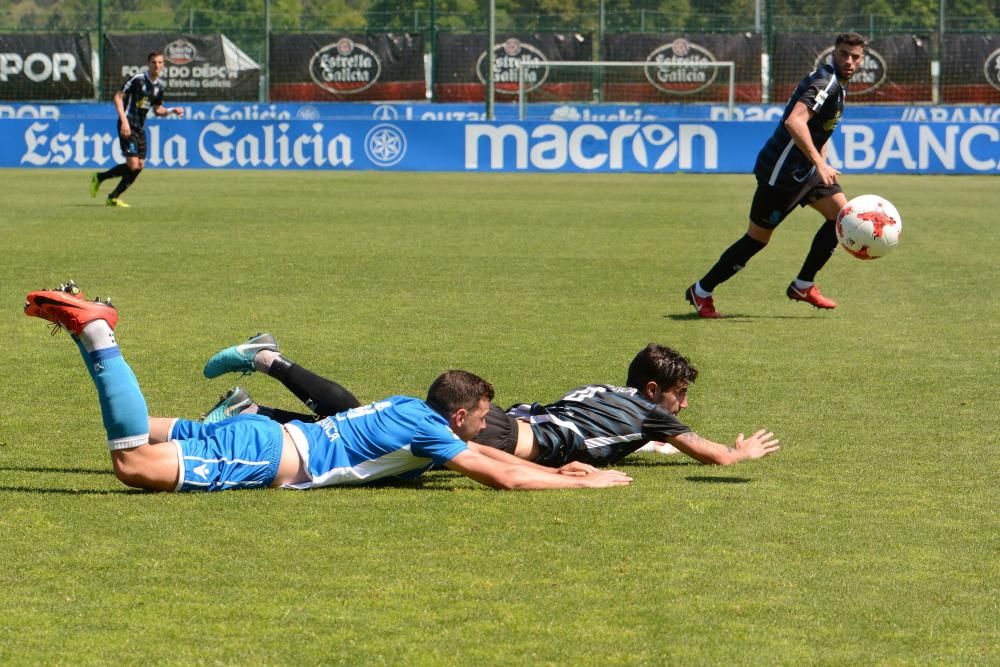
(345, 67)
(871, 73)
(180, 52)
(509, 59)
(674, 67)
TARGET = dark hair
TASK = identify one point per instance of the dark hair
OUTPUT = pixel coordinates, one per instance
(153, 54)
(453, 390)
(662, 365)
(851, 39)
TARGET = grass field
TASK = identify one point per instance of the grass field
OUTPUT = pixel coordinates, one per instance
(872, 537)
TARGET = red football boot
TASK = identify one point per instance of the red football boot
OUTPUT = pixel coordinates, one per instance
(810, 296)
(65, 307)
(705, 307)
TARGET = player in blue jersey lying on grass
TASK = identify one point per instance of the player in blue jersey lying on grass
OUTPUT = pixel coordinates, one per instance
(399, 437)
(597, 424)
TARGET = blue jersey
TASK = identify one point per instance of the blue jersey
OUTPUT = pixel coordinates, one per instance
(399, 437)
(780, 163)
(139, 95)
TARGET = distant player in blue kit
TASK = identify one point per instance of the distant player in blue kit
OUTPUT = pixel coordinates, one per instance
(399, 437)
(792, 171)
(142, 92)
(594, 425)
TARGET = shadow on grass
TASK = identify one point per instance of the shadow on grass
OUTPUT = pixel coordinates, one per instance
(658, 463)
(79, 471)
(707, 479)
(70, 492)
(742, 317)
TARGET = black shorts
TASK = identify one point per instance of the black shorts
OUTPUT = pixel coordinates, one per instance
(500, 431)
(771, 205)
(134, 145)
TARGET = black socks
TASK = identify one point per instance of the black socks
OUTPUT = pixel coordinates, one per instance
(733, 259)
(322, 396)
(823, 245)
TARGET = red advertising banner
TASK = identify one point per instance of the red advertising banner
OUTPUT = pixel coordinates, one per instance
(461, 66)
(329, 67)
(970, 69)
(896, 68)
(665, 81)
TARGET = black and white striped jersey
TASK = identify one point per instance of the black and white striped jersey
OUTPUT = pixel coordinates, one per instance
(780, 163)
(139, 95)
(597, 424)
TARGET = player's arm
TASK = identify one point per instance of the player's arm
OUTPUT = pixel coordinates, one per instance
(756, 446)
(797, 125)
(501, 473)
(162, 111)
(571, 468)
(124, 128)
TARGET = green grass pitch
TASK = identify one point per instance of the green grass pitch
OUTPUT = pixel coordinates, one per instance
(870, 538)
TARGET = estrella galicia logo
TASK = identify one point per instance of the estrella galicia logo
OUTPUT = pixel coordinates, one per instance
(345, 67)
(674, 67)
(991, 68)
(870, 74)
(510, 57)
(385, 145)
(385, 112)
(180, 52)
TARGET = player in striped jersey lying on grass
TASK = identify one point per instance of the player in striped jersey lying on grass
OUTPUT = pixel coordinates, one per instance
(597, 424)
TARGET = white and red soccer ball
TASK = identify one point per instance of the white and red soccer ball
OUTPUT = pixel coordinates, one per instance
(869, 226)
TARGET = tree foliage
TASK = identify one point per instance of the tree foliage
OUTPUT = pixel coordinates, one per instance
(242, 16)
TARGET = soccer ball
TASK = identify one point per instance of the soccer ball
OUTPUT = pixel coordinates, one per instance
(869, 227)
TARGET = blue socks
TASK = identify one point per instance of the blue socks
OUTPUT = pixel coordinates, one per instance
(123, 408)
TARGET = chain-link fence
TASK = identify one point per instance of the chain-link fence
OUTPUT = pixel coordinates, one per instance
(944, 51)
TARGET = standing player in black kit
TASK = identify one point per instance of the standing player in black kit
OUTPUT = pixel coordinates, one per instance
(140, 93)
(791, 170)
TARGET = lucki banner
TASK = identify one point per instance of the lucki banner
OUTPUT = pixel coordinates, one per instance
(461, 66)
(896, 68)
(198, 67)
(656, 147)
(57, 66)
(661, 83)
(331, 67)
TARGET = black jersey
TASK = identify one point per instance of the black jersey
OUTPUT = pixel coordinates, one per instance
(780, 163)
(139, 95)
(597, 424)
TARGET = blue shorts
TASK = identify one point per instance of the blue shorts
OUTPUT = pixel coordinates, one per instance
(237, 453)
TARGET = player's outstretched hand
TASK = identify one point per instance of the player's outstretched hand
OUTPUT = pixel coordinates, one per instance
(757, 445)
(602, 479)
(577, 469)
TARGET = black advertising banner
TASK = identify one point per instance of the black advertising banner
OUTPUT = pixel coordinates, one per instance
(896, 68)
(55, 66)
(970, 69)
(689, 83)
(461, 66)
(199, 68)
(347, 67)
